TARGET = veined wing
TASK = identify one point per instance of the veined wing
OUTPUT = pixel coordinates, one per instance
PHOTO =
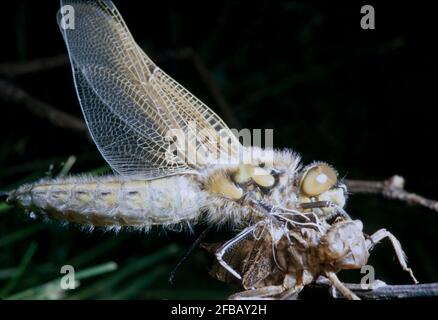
(142, 121)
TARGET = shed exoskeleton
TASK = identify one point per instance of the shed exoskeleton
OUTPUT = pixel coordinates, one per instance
(277, 261)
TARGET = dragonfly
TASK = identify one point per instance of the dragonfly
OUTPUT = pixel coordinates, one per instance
(175, 162)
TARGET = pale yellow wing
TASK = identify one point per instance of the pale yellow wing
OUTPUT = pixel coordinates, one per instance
(143, 122)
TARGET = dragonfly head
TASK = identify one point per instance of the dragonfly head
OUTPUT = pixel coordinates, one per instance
(319, 182)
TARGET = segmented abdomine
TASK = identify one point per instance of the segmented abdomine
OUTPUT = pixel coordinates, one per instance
(114, 201)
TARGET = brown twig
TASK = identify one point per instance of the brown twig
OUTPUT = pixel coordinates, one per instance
(14, 94)
(37, 65)
(12, 69)
(392, 188)
(386, 292)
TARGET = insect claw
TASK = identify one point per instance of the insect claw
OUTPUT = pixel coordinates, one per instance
(411, 273)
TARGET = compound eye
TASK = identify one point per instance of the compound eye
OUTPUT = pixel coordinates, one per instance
(317, 179)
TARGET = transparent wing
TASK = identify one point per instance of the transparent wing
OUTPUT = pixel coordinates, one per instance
(142, 121)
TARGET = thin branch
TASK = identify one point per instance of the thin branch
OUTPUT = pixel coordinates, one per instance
(13, 94)
(12, 69)
(386, 292)
(20, 68)
(392, 188)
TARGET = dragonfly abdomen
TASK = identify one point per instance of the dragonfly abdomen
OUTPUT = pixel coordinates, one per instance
(114, 201)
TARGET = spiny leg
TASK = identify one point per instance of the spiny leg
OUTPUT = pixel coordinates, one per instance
(259, 293)
(294, 283)
(291, 293)
(279, 219)
(327, 204)
(347, 293)
(221, 251)
(401, 256)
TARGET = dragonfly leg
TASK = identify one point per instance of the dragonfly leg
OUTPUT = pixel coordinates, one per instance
(227, 245)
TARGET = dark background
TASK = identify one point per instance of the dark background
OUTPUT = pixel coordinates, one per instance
(362, 100)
